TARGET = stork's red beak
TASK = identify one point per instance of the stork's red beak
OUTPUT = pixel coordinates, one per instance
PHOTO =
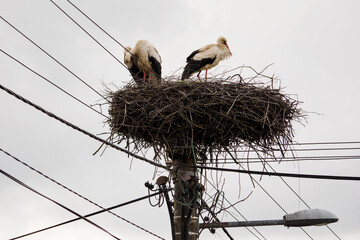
(229, 49)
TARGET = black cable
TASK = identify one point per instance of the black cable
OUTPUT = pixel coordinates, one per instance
(295, 175)
(90, 215)
(170, 209)
(81, 130)
(88, 33)
(326, 143)
(58, 87)
(290, 144)
(57, 203)
(301, 149)
(62, 65)
(247, 160)
(79, 195)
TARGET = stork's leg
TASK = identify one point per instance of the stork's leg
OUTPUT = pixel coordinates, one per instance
(205, 75)
(198, 75)
(150, 77)
(144, 76)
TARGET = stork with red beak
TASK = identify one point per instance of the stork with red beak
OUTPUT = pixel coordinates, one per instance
(143, 62)
(206, 57)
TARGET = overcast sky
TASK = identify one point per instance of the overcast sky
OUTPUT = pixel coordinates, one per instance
(315, 50)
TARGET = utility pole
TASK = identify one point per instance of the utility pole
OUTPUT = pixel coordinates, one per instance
(186, 189)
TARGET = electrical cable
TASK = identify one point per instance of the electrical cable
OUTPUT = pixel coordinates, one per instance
(326, 143)
(349, 149)
(289, 159)
(290, 144)
(57, 203)
(48, 54)
(77, 194)
(58, 87)
(294, 175)
(90, 215)
(88, 34)
(81, 130)
(303, 149)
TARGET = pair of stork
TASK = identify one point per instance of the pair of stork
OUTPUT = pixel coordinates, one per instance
(144, 61)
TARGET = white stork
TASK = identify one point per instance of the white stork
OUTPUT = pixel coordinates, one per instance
(143, 62)
(206, 57)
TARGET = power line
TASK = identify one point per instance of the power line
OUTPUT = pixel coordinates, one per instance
(291, 144)
(326, 143)
(79, 129)
(46, 79)
(57, 203)
(48, 54)
(90, 215)
(88, 33)
(77, 194)
(303, 149)
(247, 160)
(294, 175)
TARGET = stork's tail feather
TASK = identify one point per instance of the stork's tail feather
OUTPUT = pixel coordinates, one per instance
(187, 72)
(194, 66)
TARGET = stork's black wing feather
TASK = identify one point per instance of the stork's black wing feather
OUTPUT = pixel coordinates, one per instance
(189, 58)
(156, 66)
(194, 66)
(136, 73)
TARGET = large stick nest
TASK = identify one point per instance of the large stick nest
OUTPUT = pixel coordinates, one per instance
(192, 117)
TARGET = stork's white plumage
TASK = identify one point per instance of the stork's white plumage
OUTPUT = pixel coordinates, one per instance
(206, 57)
(143, 62)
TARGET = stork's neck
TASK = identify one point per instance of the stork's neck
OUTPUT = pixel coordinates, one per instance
(224, 52)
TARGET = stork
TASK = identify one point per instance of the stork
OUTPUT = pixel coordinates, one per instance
(205, 58)
(143, 62)
(133, 69)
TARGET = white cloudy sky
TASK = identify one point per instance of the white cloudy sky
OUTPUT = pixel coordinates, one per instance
(315, 49)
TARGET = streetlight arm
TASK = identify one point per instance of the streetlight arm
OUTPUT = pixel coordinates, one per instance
(309, 217)
(242, 224)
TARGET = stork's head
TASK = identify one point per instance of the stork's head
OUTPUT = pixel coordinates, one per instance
(127, 57)
(223, 42)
